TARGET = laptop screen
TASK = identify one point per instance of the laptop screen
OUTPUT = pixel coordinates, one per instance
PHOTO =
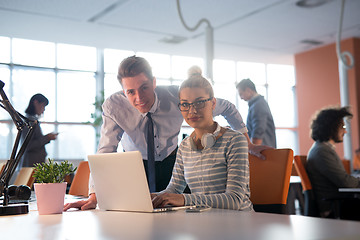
(120, 181)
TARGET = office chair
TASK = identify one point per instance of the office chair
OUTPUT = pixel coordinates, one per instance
(310, 208)
(293, 170)
(25, 177)
(346, 164)
(80, 184)
(270, 180)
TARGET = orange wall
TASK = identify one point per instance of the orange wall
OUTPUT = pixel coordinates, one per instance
(317, 81)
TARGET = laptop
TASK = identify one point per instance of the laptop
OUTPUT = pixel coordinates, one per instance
(121, 183)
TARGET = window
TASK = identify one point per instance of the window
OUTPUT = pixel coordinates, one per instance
(255, 71)
(5, 78)
(28, 81)
(281, 75)
(281, 79)
(113, 58)
(160, 64)
(5, 137)
(52, 147)
(282, 106)
(111, 84)
(276, 83)
(76, 57)
(180, 66)
(71, 91)
(4, 50)
(68, 76)
(76, 141)
(287, 138)
(76, 95)
(224, 73)
(33, 53)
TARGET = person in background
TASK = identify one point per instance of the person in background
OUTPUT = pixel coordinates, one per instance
(35, 151)
(324, 167)
(260, 122)
(126, 117)
(213, 160)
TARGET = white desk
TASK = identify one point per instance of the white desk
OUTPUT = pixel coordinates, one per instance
(349, 190)
(214, 224)
(295, 179)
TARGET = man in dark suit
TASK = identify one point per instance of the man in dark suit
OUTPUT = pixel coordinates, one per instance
(325, 168)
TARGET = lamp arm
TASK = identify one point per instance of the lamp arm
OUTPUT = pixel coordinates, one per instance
(20, 121)
(14, 160)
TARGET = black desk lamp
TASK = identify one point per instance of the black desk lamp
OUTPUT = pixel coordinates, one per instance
(10, 167)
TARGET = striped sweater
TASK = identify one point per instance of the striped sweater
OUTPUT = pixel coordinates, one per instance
(217, 177)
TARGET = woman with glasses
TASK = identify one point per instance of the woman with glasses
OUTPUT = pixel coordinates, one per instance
(213, 160)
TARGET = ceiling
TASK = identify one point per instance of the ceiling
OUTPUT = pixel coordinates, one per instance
(245, 30)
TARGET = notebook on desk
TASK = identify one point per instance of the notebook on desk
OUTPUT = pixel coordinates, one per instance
(121, 184)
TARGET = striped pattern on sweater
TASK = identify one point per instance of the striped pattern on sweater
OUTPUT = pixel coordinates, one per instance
(217, 176)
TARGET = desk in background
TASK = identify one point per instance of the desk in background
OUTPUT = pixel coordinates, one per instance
(349, 190)
(346, 204)
(295, 194)
(214, 224)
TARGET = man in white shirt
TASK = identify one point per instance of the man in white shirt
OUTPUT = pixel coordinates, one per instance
(125, 119)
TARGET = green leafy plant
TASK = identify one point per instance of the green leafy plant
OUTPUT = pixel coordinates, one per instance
(52, 172)
(97, 115)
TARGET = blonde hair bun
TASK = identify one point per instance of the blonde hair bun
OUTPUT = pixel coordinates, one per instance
(194, 71)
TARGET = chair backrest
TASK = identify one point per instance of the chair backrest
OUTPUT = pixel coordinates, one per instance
(356, 159)
(270, 180)
(293, 171)
(25, 177)
(310, 208)
(300, 163)
(80, 184)
(346, 164)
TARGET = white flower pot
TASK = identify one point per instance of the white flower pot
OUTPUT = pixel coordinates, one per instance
(50, 197)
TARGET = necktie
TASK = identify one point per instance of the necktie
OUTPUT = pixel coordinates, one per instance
(151, 154)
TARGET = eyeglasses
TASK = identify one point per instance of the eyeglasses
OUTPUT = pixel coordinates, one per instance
(184, 107)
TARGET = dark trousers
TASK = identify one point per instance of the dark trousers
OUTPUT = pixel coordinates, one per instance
(295, 192)
(163, 171)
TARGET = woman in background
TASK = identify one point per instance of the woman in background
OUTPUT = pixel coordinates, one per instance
(213, 160)
(35, 151)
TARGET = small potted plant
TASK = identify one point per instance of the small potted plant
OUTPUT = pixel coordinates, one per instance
(50, 187)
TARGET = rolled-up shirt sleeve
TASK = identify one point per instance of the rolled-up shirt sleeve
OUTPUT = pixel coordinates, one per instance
(111, 134)
(231, 114)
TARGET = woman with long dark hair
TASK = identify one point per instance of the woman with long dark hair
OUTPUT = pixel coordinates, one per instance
(35, 151)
